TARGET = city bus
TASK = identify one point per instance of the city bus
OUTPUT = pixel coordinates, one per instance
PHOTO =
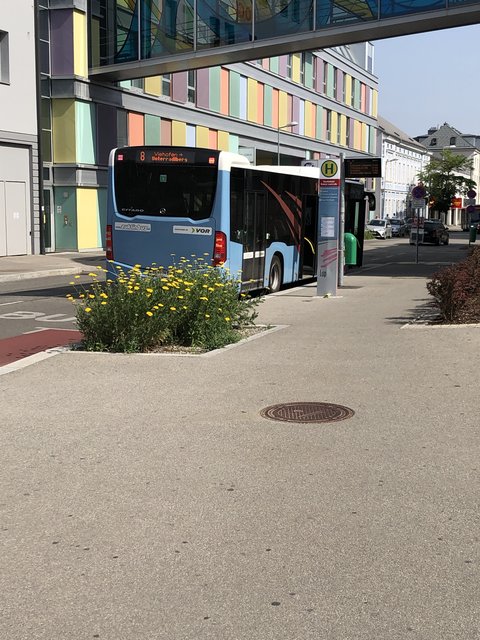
(169, 203)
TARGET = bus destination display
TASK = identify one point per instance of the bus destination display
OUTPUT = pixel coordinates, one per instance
(155, 155)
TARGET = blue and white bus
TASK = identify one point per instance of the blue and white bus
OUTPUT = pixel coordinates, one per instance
(168, 203)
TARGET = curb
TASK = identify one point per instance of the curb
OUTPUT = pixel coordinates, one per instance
(30, 275)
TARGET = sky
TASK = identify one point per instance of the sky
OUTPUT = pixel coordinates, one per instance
(428, 79)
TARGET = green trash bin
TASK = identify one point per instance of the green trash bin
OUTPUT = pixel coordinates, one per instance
(473, 233)
(350, 244)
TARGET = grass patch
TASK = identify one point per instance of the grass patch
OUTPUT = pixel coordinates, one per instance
(190, 305)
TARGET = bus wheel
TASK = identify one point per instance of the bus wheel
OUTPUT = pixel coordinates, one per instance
(275, 275)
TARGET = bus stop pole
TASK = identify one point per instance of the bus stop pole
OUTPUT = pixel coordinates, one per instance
(341, 222)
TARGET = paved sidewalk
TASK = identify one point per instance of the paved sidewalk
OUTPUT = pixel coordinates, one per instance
(144, 497)
(14, 268)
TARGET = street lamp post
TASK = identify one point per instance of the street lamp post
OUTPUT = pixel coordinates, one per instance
(285, 126)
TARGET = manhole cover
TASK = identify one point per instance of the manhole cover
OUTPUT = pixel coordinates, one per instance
(307, 412)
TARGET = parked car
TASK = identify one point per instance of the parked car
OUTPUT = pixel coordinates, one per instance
(433, 231)
(380, 228)
(399, 228)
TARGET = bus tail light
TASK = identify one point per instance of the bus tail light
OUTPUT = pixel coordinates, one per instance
(220, 251)
(109, 242)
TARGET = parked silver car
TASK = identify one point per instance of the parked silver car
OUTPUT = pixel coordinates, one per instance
(399, 228)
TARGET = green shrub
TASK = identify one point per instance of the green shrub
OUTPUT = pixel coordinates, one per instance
(368, 235)
(456, 290)
(190, 305)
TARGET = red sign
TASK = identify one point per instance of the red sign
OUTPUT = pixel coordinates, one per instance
(456, 203)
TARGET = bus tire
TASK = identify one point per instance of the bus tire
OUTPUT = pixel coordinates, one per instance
(275, 275)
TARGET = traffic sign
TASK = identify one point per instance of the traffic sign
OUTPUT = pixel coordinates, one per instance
(419, 191)
(418, 203)
(472, 193)
(469, 201)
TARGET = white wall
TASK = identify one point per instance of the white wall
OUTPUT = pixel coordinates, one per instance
(18, 98)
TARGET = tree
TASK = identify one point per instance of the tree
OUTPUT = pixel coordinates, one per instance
(443, 179)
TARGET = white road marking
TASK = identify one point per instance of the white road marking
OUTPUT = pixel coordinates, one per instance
(4, 304)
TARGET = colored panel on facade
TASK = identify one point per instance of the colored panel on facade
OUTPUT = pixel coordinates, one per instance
(368, 100)
(296, 63)
(295, 115)
(202, 137)
(125, 84)
(106, 132)
(275, 107)
(356, 94)
(179, 133)
(102, 216)
(152, 129)
(266, 64)
(301, 118)
(135, 129)
(374, 103)
(348, 90)
(364, 136)
(282, 66)
(274, 65)
(243, 98)
(339, 92)
(308, 72)
(65, 216)
(153, 85)
(166, 131)
(309, 119)
(61, 42)
(357, 136)
(63, 132)
(214, 102)
(85, 132)
(233, 142)
(179, 86)
(252, 100)
(224, 90)
(363, 100)
(223, 141)
(191, 136)
(202, 88)
(80, 55)
(282, 108)
(212, 139)
(87, 218)
(319, 71)
(371, 147)
(234, 94)
(330, 81)
(267, 105)
(343, 130)
(260, 101)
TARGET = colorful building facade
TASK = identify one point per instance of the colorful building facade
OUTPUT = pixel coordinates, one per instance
(330, 96)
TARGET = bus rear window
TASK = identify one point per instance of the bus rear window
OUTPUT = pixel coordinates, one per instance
(170, 190)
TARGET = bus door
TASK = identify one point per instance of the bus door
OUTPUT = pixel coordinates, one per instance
(308, 265)
(253, 267)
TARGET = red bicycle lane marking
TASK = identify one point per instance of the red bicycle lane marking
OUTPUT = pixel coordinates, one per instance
(27, 344)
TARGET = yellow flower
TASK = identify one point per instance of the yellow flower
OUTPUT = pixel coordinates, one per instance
(173, 308)
(149, 313)
(90, 295)
(180, 297)
(104, 302)
(130, 291)
(87, 309)
(93, 275)
(210, 288)
(160, 304)
(206, 315)
(205, 286)
(136, 288)
(76, 276)
(178, 270)
(165, 288)
(187, 289)
(103, 295)
(203, 298)
(184, 307)
(150, 290)
(82, 295)
(71, 283)
(227, 318)
(99, 267)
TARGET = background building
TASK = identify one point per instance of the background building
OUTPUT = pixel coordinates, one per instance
(447, 137)
(19, 207)
(402, 159)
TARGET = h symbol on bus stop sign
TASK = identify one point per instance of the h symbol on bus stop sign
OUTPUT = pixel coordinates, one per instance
(329, 168)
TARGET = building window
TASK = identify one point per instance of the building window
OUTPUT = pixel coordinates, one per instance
(325, 78)
(289, 66)
(137, 83)
(328, 121)
(302, 68)
(347, 138)
(433, 142)
(453, 141)
(191, 86)
(166, 84)
(4, 61)
(344, 86)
